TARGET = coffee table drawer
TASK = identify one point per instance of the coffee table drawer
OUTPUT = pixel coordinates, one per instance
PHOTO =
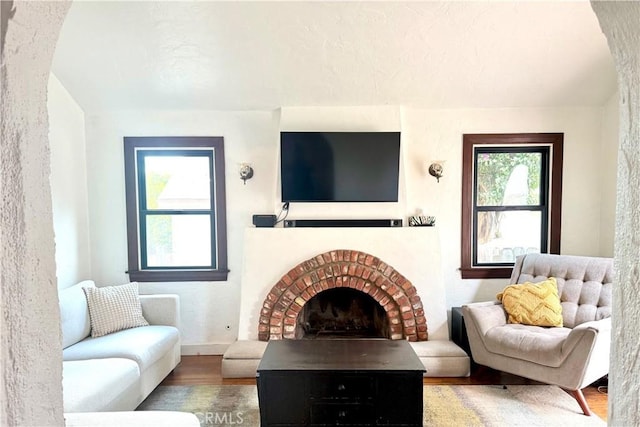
(342, 414)
(341, 387)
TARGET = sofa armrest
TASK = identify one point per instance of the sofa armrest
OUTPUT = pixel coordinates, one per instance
(484, 315)
(597, 332)
(602, 325)
(480, 317)
(588, 347)
(161, 309)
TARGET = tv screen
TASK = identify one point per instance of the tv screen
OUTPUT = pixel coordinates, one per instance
(339, 166)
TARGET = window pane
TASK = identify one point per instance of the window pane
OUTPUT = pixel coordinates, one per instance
(178, 240)
(177, 182)
(508, 179)
(502, 236)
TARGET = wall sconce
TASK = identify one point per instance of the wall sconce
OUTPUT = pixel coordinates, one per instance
(246, 172)
(436, 170)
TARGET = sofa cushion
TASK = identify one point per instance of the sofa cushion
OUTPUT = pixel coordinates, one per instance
(74, 313)
(114, 308)
(535, 304)
(144, 345)
(533, 343)
(97, 384)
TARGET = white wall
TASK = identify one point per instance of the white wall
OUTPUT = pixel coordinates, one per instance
(68, 185)
(427, 135)
(209, 310)
(438, 135)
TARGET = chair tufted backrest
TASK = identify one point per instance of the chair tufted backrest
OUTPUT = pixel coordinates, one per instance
(584, 283)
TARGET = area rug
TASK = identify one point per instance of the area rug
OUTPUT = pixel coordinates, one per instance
(444, 405)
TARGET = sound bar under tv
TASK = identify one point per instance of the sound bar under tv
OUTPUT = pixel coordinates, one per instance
(343, 223)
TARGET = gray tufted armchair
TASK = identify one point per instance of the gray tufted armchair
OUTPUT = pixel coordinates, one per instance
(572, 356)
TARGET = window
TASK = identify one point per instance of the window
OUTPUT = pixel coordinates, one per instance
(176, 216)
(511, 200)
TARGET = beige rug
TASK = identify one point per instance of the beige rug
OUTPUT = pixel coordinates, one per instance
(444, 405)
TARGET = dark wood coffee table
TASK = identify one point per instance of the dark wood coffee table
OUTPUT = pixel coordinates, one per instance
(340, 382)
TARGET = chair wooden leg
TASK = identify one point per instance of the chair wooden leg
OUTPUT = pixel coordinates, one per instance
(579, 396)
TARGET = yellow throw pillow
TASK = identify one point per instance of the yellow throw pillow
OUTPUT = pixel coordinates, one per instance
(533, 303)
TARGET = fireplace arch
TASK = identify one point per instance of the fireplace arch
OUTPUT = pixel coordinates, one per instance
(343, 268)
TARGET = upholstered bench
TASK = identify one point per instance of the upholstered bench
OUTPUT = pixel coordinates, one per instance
(242, 358)
(440, 358)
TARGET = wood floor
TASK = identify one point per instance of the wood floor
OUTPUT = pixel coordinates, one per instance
(206, 370)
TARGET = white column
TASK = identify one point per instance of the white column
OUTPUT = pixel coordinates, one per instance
(31, 379)
(620, 21)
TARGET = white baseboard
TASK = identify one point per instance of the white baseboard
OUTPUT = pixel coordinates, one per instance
(204, 349)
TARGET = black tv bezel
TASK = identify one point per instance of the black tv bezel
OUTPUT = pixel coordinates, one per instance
(397, 192)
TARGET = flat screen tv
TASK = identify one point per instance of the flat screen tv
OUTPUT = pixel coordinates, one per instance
(339, 166)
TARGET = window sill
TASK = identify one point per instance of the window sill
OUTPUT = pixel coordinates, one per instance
(178, 275)
(486, 273)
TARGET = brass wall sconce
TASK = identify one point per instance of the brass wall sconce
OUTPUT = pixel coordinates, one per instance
(246, 172)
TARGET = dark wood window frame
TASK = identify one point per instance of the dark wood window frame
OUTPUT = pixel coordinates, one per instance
(136, 272)
(470, 141)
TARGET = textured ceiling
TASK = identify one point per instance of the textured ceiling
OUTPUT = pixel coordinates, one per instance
(263, 55)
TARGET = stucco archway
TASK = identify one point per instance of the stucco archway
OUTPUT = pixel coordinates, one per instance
(31, 382)
(620, 21)
(31, 392)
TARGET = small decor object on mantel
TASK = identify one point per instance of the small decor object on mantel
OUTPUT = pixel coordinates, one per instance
(422, 221)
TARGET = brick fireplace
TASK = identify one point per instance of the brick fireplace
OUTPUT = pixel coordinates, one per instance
(392, 275)
(281, 310)
(282, 265)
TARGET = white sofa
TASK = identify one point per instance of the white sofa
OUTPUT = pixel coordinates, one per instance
(116, 372)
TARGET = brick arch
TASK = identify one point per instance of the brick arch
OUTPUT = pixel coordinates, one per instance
(343, 268)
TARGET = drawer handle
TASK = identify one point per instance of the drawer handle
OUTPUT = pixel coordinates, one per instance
(341, 387)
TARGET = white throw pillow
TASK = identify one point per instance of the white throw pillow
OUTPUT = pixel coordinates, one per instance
(114, 308)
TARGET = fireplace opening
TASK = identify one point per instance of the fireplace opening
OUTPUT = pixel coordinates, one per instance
(342, 313)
